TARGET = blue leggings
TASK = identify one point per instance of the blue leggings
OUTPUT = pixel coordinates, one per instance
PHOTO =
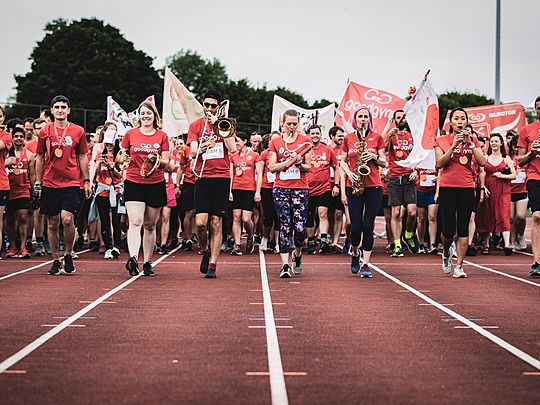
(291, 206)
(362, 212)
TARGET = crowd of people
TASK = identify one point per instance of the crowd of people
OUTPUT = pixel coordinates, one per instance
(287, 192)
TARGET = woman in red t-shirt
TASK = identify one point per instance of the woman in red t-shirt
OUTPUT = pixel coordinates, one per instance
(455, 154)
(144, 196)
(290, 159)
(243, 193)
(363, 208)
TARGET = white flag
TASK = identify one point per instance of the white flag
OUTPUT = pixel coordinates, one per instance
(423, 118)
(124, 121)
(324, 117)
(180, 107)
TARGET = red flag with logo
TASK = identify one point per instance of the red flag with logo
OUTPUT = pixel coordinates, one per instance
(380, 103)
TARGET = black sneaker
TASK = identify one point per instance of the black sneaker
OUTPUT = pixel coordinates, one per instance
(69, 267)
(397, 252)
(55, 268)
(165, 249)
(325, 247)
(285, 272)
(187, 246)
(132, 266)
(205, 260)
(210, 273)
(411, 244)
(355, 264)
(432, 250)
(535, 270)
(470, 251)
(147, 269)
(310, 250)
(250, 247)
(297, 264)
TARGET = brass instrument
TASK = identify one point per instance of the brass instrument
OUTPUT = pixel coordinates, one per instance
(154, 159)
(361, 170)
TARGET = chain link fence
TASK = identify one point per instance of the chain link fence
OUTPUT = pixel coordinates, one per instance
(91, 119)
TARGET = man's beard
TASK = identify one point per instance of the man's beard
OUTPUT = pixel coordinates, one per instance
(403, 126)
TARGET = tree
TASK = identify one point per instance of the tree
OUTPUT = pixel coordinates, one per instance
(87, 61)
(454, 99)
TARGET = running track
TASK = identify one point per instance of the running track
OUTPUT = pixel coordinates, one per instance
(409, 335)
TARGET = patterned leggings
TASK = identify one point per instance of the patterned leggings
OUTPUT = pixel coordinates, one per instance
(291, 207)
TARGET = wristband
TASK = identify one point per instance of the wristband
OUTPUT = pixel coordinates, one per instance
(86, 180)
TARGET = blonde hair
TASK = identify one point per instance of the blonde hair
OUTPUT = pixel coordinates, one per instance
(152, 107)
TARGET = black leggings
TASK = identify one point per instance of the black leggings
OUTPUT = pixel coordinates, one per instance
(456, 205)
(269, 209)
(362, 212)
(105, 213)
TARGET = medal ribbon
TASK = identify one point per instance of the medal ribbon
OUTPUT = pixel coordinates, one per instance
(63, 135)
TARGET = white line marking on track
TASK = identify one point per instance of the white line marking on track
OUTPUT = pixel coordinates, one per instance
(37, 266)
(524, 253)
(25, 351)
(495, 339)
(278, 389)
(468, 327)
(501, 273)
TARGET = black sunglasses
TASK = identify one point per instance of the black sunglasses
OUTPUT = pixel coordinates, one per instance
(210, 105)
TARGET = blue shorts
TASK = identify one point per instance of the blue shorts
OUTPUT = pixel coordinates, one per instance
(425, 198)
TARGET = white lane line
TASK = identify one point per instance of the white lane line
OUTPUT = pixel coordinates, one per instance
(278, 389)
(25, 351)
(501, 273)
(37, 266)
(524, 253)
(495, 339)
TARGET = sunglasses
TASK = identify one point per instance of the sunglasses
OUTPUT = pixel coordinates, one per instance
(210, 105)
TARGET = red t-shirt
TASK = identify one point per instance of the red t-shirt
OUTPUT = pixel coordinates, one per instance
(185, 160)
(63, 171)
(401, 145)
(319, 179)
(140, 146)
(108, 177)
(244, 170)
(460, 171)
(527, 135)
(427, 180)
(19, 179)
(171, 179)
(32, 145)
(374, 142)
(519, 184)
(337, 152)
(292, 177)
(268, 176)
(8, 141)
(217, 157)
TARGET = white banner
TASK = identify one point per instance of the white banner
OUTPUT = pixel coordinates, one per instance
(324, 117)
(423, 118)
(123, 120)
(180, 107)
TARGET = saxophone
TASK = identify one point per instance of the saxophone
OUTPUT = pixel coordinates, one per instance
(361, 169)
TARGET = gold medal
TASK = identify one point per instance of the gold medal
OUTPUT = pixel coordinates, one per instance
(108, 181)
(16, 171)
(399, 153)
(423, 177)
(463, 160)
(239, 172)
(58, 153)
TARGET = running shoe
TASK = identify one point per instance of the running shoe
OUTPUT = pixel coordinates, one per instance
(55, 268)
(24, 253)
(108, 254)
(236, 251)
(355, 264)
(325, 247)
(470, 251)
(285, 272)
(165, 249)
(69, 267)
(40, 251)
(249, 245)
(390, 248)
(147, 269)
(29, 246)
(158, 249)
(459, 273)
(74, 255)
(263, 246)
(211, 273)
(205, 260)
(47, 247)
(535, 270)
(421, 250)
(347, 246)
(132, 266)
(383, 235)
(115, 252)
(79, 243)
(398, 252)
(453, 251)
(447, 265)
(12, 252)
(508, 251)
(411, 243)
(93, 246)
(257, 239)
(311, 245)
(297, 264)
(522, 244)
(432, 250)
(365, 271)
(188, 246)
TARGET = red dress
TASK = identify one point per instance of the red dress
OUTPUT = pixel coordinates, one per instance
(494, 212)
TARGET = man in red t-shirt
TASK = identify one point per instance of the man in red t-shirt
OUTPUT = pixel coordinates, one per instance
(212, 168)
(529, 156)
(61, 158)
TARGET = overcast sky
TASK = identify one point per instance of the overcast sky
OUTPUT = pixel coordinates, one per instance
(311, 47)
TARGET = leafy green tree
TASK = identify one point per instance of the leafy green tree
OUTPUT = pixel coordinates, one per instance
(87, 61)
(454, 99)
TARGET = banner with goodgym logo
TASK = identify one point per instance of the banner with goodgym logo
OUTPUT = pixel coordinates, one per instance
(380, 103)
(498, 118)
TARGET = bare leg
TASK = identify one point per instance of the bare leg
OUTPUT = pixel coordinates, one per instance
(201, 223)
(217, 238)
(135, 210)
(53, 224)
(151, 215)
(68, 221)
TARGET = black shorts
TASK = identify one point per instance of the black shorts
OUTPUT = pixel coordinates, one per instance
(533, 190)
(18, 204)
(55, 200)
(384, 201)
(153, 195)
(314, 203)
(3, 197)
(243, 200)
(515, 197)
(336, 204)
(401, 191)
(212, 196)
(187, 197)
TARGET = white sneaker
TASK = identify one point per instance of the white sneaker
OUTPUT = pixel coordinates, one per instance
(383, 235)
(522, 244)
(108, 254)
(115, 252)
(453, 251)
(446, 265)
(74, 255)
(459, 273)
(263, 246)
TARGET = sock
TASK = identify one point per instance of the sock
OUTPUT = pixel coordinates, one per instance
(397, 243)
(408, 235)
(211, 266)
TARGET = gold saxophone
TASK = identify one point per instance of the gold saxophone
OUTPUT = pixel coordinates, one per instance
(361, 170)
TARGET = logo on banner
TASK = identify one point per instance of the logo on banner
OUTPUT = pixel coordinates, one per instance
(378, 96)
(477, 117)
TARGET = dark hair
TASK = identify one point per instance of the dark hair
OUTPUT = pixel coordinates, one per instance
(38, 121)
(213, 93)
(59, 99)
(263, 144)
(89, 135)
(503, 148)
(452, 112)
(17, 129)
(537, 100)
(244, 137)
(512, 145)
(12, 123)
(395, 112)
(314, 126)
(29, 119)
(48, 114)
(334, 130)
